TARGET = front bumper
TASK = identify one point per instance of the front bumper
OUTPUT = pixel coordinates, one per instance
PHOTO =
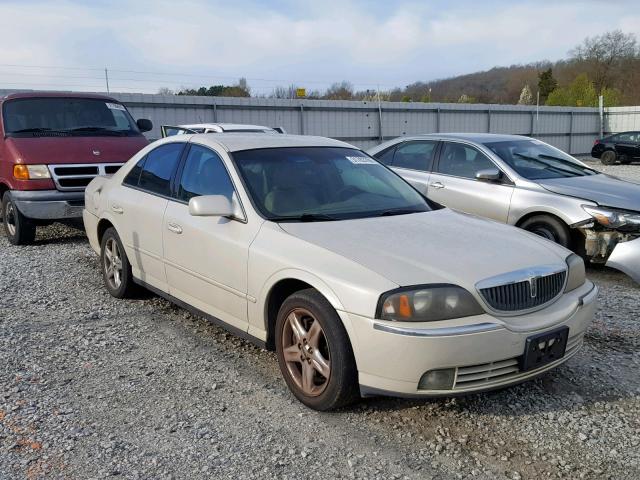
(484, 350)
(48, 204)
(626, 258)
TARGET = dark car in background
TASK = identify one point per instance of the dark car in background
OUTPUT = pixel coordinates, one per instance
(623, 147)
(51, 146)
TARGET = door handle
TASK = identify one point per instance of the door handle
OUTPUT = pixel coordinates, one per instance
(117, 209)
(174, 228)
(437, 185)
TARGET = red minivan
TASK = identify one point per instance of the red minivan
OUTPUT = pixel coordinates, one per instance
(51, 146)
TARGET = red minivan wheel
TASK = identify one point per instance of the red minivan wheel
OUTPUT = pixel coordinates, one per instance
(18, 228)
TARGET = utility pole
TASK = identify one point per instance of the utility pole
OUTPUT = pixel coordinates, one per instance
(106, 78)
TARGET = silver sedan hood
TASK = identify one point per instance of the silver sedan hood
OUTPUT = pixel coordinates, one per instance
(442, 246)
(603, 189)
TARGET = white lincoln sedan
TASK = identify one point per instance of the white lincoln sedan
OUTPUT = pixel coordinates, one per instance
(310, 247)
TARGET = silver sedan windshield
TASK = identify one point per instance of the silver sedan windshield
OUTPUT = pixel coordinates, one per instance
(536, 160)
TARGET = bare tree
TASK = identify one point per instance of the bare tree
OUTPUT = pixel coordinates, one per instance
(340, 91)
(604, 55)
(165, 91)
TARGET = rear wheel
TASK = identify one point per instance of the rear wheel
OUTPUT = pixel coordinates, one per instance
(550, 228)
(18, 228)
(314, 352)
(116, 269)
(608, 158)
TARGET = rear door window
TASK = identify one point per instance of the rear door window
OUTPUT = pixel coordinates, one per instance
(158, 167)
(415, 155)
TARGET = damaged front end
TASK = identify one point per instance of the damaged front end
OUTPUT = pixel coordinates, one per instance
(612, 238)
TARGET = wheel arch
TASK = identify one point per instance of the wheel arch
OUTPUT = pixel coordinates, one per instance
(282, 285)
(577, 237)
(103, 225)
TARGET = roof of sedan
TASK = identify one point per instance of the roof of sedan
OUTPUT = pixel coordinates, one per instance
(473, 137)
(250, 141)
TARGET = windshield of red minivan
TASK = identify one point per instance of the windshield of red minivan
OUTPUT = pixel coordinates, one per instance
(67, 117)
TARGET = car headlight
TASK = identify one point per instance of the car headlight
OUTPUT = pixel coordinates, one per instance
(427, 303)
(30, 172)
(575, 275)
(613, 218)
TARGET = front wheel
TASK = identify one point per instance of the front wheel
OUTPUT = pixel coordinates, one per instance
(116, 269)
(608, 158)
(18, 228)
(314, 352)
(550, 228)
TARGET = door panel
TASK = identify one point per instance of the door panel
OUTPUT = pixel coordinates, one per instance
(485, 199)
(206, 262)
(420, 180)
(140, 230)
(412, 160)
(454, 185)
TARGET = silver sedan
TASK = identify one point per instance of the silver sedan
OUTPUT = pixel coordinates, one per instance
(527, 183)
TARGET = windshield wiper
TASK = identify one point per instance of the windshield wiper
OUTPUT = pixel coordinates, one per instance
(98, 129)
(38, 130)
(400, 211)
(567, 162)
(548, 166)
(306, 217)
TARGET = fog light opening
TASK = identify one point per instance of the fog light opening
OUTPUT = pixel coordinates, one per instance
(437, 379)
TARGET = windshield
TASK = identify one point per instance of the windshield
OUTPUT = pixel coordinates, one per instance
(323, 183)
(536, 160)
(66, 117)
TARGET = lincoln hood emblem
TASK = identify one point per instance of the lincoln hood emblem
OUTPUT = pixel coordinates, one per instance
(96, 152)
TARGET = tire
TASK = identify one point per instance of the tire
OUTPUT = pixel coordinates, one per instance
(608, 157)
(550, 228)
(19, 229)
(115, 266)
(314, 349)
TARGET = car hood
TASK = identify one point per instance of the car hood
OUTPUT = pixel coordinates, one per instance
(603, 189)
(61, 150)
(442, 246)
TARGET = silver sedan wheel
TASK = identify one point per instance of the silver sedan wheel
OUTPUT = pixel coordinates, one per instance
(113, 263)
(10, 218)
(306, 352)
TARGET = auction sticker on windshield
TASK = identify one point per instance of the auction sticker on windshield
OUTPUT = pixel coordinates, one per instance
(362, 160)
(115, 106)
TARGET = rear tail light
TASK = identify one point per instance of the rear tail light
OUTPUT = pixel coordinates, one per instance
(596, 141)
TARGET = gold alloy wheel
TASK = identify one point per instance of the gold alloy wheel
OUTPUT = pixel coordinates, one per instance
(306, 352)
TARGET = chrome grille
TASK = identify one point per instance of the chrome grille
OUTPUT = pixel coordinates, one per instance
(71, 176)
(523, 290)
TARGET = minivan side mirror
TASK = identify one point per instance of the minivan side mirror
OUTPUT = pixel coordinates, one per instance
(144, 124)
(489, 175)
(211, 206)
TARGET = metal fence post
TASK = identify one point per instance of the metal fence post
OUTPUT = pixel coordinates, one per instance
(438, 120)
(380, 133)
(571, 134)
(488, 120)
(215, 112)
(301, 119)
(533, 121)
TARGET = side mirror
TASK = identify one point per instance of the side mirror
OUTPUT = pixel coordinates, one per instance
(489, 175)
(144, 124)
(211, 206)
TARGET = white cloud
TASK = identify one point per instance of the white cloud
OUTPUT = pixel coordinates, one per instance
(315, 42)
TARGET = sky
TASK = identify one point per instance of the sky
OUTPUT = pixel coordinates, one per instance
(146, 45)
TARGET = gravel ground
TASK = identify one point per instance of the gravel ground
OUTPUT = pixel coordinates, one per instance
(93, 387)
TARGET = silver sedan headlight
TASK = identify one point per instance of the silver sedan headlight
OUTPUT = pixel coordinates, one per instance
(576, 275)
(613, 218)
(427, 303)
